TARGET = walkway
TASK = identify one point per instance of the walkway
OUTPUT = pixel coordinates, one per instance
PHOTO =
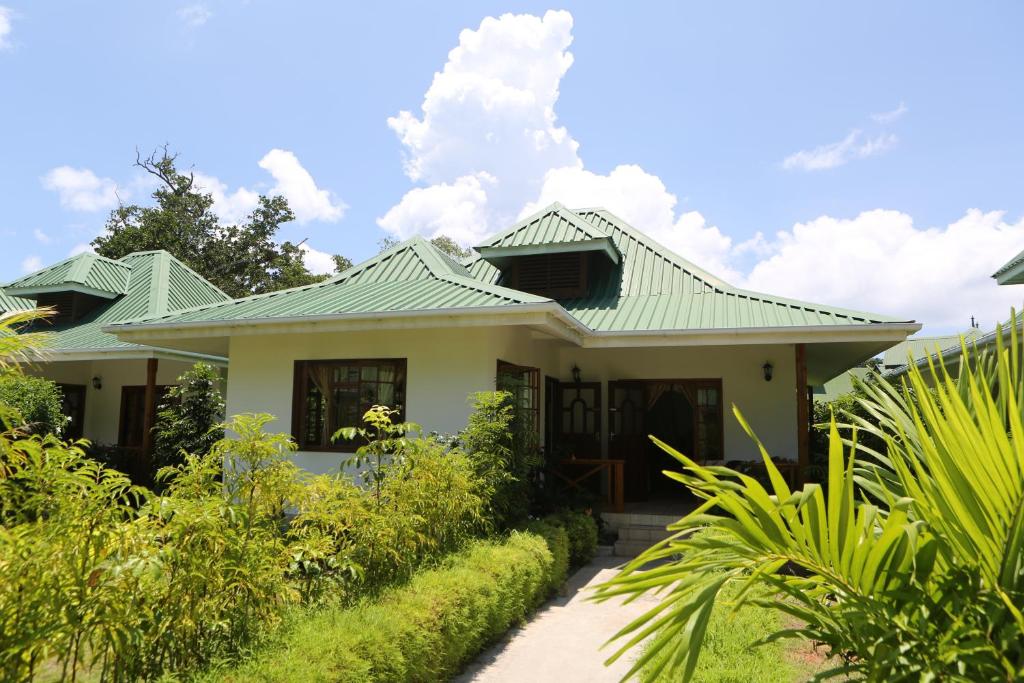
(561, 642)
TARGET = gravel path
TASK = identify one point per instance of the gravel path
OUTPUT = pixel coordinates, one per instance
(561, 642)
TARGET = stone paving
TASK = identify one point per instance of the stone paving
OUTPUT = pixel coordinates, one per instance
(561, 642)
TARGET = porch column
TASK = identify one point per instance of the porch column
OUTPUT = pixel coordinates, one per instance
(149, 413)
(802, 415)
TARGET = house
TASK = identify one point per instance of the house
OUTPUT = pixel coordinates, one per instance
(606, 335)
(110, 386)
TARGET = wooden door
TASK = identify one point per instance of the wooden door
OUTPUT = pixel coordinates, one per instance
(626, 436)
(73, 407)
(579, 420)
(133, 415)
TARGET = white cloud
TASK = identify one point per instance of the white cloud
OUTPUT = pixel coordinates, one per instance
(309, 202)
(80, 189)
(41, 236)
(881, 262)
(890, 116)
(490, 110)
(5, 27)
(317, 262)
(643, 201)
(195, 15)
(30, 264)
(458, 210)
(853, 146)
(230, 207)
(80, 249)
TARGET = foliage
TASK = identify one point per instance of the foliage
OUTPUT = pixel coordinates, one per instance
(188, 420)
(33, 403)
(728, 657)
(910, 567)
(241, 259)
(505, 457)
(385, 442)
(423, 631)
(347, 543)
(20, 340)
(581, 529)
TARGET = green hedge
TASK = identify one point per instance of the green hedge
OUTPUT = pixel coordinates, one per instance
(429, 628)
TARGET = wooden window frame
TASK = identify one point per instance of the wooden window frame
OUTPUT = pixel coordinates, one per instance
(533, 373)
(300, 388)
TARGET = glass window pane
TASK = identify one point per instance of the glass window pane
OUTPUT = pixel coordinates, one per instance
(386, 373)
(368, 373)
(346, 409)
(368, 394)
(386, 395)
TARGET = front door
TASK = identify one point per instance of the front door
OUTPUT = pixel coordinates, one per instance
(626, 434)
(133, 415)
(73, 407)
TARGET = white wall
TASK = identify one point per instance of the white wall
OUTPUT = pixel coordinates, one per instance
(446, 365)
(103, 406)
(768, 407)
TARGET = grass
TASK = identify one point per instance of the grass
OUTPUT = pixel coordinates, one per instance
(730, 657)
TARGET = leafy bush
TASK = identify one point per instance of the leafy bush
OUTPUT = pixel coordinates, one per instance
(188, 419)
(33, 403)
(910, 567)
(424, 631)
(504, 462)
(351, 542)
(581, 530)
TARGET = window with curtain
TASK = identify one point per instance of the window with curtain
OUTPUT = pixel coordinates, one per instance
(331, 394)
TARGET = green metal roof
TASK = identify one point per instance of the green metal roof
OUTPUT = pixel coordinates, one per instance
(156, 284)
(651, 290)
(656, 289)
(922, 347)
(411, 276)
(551, 230)
(88, 273)
(9, 304)
(1012, 272)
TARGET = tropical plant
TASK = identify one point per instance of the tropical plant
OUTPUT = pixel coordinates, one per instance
(34, 403)
(384, 442)
(188, 420)
(909, 567)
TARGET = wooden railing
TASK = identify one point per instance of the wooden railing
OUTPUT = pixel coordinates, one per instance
(573, 472)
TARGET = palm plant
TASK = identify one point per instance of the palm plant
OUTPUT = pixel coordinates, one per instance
(910, 565)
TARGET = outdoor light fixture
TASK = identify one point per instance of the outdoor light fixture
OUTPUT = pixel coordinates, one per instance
(767, 367)
(97, 382)
(575, 373)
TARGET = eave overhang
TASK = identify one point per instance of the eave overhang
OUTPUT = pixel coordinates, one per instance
(499, 257)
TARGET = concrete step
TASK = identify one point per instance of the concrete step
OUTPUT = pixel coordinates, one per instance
(643, 532)
(624, 548)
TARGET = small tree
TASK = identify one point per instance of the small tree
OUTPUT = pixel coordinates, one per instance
(33, 404)
(188, 419)
(385, 444)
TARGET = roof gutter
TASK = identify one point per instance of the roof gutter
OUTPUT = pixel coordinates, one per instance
(57, 355)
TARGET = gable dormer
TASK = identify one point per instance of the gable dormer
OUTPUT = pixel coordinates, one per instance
(554, 253)
(74, 287)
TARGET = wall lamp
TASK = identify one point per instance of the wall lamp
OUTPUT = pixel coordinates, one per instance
(575, 373)
(97, 382)
(768, 369)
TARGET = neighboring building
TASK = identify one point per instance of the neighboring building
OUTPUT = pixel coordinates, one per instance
(607, 335)
(110, 386)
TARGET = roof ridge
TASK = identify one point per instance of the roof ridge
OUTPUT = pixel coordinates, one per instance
(580, 223)
(662, 250)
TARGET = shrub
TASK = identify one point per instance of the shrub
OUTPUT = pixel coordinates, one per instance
(428, 505)
(424, 631)
(34, 403)
(503, 463)
(581, 530)
(188, 419)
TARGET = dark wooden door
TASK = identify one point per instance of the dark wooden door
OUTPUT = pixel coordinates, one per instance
(579, 419)
(133, 415)
(626, 436)
(73, 407)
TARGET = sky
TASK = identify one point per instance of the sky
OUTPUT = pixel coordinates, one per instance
(865, 155)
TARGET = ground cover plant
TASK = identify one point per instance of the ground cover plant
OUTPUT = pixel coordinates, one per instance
(909, 567)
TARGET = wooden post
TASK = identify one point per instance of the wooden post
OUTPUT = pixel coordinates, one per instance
(149, 415)
(802, 415)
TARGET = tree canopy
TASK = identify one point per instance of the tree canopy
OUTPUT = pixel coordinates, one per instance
(241, 259)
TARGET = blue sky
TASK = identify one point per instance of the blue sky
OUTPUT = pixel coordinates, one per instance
(866, 155)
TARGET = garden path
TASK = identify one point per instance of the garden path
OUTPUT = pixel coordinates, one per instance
(561, 642)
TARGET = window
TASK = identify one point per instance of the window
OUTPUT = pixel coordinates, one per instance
(709, 421)
(331, 394)
(524, 384)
